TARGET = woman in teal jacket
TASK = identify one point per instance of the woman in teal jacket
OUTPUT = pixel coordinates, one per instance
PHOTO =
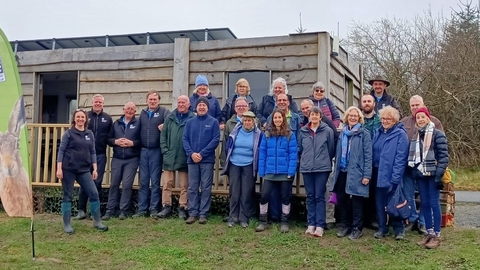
(353, 162)
(277, 165)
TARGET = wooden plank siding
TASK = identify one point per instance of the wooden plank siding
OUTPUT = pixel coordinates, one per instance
(127, 73)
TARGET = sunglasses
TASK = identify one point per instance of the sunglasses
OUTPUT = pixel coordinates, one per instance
(320, 90)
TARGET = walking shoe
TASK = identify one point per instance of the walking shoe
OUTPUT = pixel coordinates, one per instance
(153, 213)
(261, 227)
(425, 240)
(433, 243)
(140, 214)
(182, 213)
(330, 226)
(81, 215)
(356, 234)
(166, 211)
(318, 232)
(230, 224)
(400, 236)
(107, 215)
(202, 220)
(191, 220)
(244, 224)
(422, 229)
(310, 230)
(380, 234)
(344, 232)
(409, 227)
(122, 216)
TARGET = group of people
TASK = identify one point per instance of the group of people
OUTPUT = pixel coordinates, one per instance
(375, 153)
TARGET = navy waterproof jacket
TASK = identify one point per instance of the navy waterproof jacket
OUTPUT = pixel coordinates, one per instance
(266, 107)
(100, 124)
(393, 155)
(214, 108)
(201, 135)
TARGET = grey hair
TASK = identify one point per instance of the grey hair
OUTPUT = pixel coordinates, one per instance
(318, 85)
(98, 95)
(389, 110)
(240, 98)
(279, 80)
(417, 97)
(307, 100)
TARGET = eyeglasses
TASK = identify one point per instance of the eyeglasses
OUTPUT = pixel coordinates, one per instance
(320, 90)
(387, 119)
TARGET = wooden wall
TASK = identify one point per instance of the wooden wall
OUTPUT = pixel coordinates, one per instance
(127, 73)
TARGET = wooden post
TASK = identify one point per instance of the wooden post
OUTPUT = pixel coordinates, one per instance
(181, 61)
(323, 64)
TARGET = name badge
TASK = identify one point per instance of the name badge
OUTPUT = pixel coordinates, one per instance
(104, 120)
(156, 114)
(132, 127)
(87, 138)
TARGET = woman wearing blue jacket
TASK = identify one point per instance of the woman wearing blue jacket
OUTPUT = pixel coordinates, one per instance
(390, 152)
(277, 165)
(241, 165)
(353, 171)
(316, 145)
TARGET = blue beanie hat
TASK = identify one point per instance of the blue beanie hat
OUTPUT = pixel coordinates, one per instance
(201, 79)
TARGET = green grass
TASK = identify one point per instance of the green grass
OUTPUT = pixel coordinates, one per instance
(467, 179)
(171, 244)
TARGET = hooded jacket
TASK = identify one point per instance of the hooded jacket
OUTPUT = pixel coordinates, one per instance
(316, 149)
(385, 101)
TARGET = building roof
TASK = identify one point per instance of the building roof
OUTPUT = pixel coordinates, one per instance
(121, 40)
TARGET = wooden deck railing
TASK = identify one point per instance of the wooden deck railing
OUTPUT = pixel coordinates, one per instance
(45, 139)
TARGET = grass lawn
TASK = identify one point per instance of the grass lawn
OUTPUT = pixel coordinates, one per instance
(467, 179)
(171, 244)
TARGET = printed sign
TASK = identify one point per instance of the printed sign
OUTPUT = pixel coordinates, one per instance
(2, 72)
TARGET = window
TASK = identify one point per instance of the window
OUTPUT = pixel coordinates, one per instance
(259, 82)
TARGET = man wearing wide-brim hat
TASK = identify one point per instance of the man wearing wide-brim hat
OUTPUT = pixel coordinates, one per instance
(379, 84)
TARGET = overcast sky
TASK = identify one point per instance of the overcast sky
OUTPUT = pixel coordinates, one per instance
(32, 19)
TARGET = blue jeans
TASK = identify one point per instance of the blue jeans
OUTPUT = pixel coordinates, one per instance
(200, 175)
(408, 189)
(82, 196)
(123, 171)
(430, 202)
(84, 180)
(150, 169)
(381, 199)
(315, 186)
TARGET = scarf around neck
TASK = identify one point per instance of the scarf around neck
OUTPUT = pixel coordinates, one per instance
(415, 157)
(345, 143)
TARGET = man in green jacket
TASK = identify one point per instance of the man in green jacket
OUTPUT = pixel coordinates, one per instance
(174, 157)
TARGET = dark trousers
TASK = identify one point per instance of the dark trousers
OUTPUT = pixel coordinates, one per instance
(150, 169)
(284, 188)
(242, 186)
(200, 176)
(370, 208)
(315, 186)
(350, 206)
(123, 171)
(82, 196)
(382, 200)
(84, 180)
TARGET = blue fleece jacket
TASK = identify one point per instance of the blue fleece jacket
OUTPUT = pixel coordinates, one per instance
(201, 135)
(242, 154)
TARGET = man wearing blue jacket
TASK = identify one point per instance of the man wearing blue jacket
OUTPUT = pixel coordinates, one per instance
(124, 137)
(200, 139)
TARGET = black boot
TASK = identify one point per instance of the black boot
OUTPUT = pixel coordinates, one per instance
(262, 223)
(97, 219)
(182, 213)
(166, 212)
(67, 215)
(284, 228)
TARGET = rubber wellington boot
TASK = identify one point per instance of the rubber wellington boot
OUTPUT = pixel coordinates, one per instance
(97, 217)
(67, 215)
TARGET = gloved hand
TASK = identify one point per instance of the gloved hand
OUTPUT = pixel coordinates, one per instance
(439, 185)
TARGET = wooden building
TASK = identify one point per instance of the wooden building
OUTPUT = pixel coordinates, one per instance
(57, 81)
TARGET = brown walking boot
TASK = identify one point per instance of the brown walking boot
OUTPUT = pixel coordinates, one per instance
(425, 240)
(433, 243)
(191, 220)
